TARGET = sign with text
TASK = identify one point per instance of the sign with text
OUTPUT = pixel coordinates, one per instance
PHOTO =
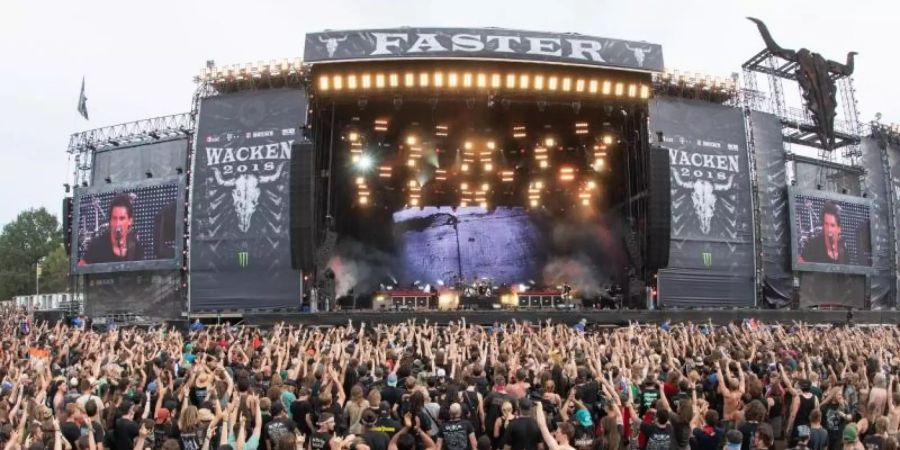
(482, 43)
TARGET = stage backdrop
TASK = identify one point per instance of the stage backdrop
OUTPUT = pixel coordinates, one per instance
(711, 254)
(240, 231)
(772, 197)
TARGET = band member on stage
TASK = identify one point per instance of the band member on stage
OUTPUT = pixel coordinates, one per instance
(827, 247)
(118, 243)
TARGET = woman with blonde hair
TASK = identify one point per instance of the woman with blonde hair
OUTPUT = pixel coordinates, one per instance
(506, 416)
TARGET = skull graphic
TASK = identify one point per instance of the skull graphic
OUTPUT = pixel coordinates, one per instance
(639, 53)
(245, 193)
(331, 44)
(703, 196)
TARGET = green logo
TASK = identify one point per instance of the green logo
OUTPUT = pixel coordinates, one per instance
(243, 259)
(707, 259)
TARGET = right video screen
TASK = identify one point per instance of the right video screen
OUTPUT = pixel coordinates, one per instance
(830, 232)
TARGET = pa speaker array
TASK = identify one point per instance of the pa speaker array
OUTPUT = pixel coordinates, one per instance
(659, 217)
(303, 206)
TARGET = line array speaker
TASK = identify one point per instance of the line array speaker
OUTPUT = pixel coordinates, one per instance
(659, 209)
(303, 206)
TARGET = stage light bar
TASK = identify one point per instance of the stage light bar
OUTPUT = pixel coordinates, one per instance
(506, 176)
(351, 82)
(385, 171)
(381, 125)
(581, 128)
(519, 132)
(488, 167)
(441, 130)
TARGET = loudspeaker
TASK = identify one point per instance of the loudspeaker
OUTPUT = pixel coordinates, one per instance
(303, 206)
(67, 224)
(659, 214)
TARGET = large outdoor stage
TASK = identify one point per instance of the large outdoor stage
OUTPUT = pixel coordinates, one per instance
(604, 318)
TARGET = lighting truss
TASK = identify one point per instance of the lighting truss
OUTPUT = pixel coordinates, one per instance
(274, 73)
(695, 85)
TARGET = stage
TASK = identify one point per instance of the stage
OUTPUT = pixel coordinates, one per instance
(594, 317)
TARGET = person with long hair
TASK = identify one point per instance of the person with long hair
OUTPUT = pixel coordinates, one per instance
(354, 408)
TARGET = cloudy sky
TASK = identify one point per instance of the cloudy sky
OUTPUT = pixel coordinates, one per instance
(139, 58)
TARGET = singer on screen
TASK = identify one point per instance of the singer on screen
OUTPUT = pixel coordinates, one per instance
(118, 243)
(827, 246)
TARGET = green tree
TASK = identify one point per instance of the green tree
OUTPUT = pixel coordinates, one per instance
(55, 271)
(32, 235)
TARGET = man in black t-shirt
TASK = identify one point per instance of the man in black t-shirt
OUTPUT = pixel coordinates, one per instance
(385, 423)
(376, 440)
(659, 433)
(300, 408)
(119, 242)
(125, 429)
(456, 433)
(523, 432)
(280, 425)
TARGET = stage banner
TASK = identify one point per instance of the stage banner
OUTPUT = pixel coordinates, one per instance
(148, 295)
(712, 219)
(772, 198)
(135, 163)
(240, 232)
(482, 43)
(877, 184)
(893, 155)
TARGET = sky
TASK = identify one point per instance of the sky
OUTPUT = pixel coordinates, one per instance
(139, 58)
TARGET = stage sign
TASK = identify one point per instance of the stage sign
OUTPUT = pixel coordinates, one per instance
(482, 43)
(830, 232)
(712, 219)
(131, 226)
(240, 231)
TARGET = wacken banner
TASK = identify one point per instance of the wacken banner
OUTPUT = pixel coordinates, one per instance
(240, 240)
(482, 43)
(712, 235)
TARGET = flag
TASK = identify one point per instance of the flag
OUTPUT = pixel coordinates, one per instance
(82, 102)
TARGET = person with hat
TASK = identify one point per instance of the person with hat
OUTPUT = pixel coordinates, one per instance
(385, 422)
(522, 433)
(390, 392)
(850, 438)
(374, 438)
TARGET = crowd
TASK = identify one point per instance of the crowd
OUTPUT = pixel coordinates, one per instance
(420, 386)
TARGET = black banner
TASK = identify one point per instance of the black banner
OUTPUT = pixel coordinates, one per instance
(240, 231)
(774, 230)
(878, 187)
(147, 295)
(134, 163)
(712, 235)
(483, 43)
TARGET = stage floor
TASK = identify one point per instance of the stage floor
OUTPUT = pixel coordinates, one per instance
(594, 317)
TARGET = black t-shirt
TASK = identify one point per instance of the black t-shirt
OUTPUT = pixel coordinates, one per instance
(583, 438)
(493, 405)
(589, 392)
(832, 421)
(748, 431)
(278, 427)
(124, 433)
(648, 396)
(522, 434)
(455, 434)
(657, 438)
(299, 410)
(387, 425)
(376, 440)
(193, 439)
(708, 438)
(71, 431)
(319, 441)
(100, 250)
(391, 394)
(874, 442)
(163, 432)
(681, 434)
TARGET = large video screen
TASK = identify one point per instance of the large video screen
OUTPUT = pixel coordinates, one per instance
(830, 232)
(134, 226)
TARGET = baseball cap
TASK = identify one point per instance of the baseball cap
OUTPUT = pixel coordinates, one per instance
(368, 418)
(525, 404)
(850, 433)
(584, 418)
(392, 380)
(441, 372)
(162, 414)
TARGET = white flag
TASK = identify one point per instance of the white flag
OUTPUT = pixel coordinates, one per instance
(82, 102)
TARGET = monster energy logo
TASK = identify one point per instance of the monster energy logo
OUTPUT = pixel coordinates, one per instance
(707, 259)
(243, 259)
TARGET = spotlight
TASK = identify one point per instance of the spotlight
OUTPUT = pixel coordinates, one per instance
(179, 170)
(84, 184)
(549, 142)
(410, 140)
(364, 162)
(607, 139)
(108, 180)
(149, 174)
(67, 187)
(353, 136)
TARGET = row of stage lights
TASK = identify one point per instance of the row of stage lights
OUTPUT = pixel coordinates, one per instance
(238, 72)
(479, 80)
(696, 80)
(477, 155)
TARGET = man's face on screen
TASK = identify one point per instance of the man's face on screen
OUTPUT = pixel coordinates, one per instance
(831, 229)
(119, 219)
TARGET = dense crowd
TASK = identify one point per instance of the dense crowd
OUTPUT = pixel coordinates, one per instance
(420, 386)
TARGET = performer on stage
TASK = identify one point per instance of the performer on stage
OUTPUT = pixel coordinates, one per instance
(118, 243)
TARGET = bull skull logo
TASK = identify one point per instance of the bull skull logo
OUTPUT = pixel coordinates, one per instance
(639, 53)
(246, 193)
(703, 196)
(331, 44)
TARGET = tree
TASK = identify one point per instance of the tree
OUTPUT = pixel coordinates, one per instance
(55, 271)
(32, 235)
